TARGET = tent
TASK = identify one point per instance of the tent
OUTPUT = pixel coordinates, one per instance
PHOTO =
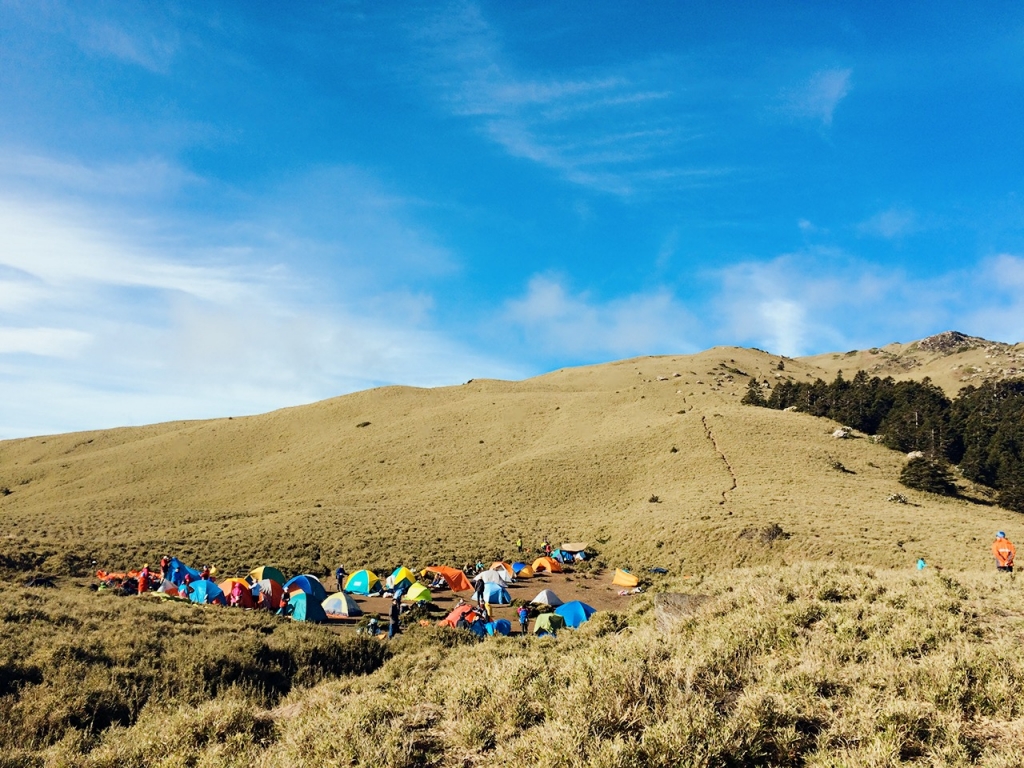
(492, 577)
(363, 583)
(547, 597)
(417, 593)
(268, 594)
(466, 610)
(167, 587)
(561, 556)
(624, 579)
(266, 572)
(203, 591)
(456, 579)
(245, 592)
(495, 594)
(499, 627)
(574, 547)
(575, 613)
(340, 604)
(522, 570)
(178, 570)
(400, 577)
(548, 624)
(500, 566)
(309, 584)
(548, 564)
(306, 608)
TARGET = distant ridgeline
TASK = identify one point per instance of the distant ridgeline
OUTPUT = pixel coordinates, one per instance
(981, 430)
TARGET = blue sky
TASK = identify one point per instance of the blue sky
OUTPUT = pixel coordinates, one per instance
(217, 209)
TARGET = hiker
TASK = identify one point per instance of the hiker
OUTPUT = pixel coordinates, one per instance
(546, 546)
(1004, 552)
(235, 598)
(144, 579)
(165, 564)
(519, 545)
(186, 587)
(339, 575)
(394, 624)
(524, 618)
(373, 627)
(478, 593)
(205, 573)
(286, 605)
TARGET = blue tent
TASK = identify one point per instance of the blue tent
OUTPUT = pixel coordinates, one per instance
(495, 594)
(517, 567)
(203, 591)
(306, 608)
(178, 570)
(562, 557)
(363, 583)
(308, 584)
(575, 613)
(478, 628)
(499, 627)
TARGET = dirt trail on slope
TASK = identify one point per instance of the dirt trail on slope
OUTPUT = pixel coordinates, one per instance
(725, 460)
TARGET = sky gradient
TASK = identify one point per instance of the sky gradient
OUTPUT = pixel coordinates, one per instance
(220, 209)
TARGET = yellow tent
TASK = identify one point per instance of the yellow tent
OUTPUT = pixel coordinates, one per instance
(624, 579)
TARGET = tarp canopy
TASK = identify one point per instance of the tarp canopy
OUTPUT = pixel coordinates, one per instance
(363, 583)
(178, 570)
(417, 593)
(267, 572)
(306, 608)
(462, 611)
(400, 577)
(499, 627)
(575, 613)
(547, 597)
(493, 577)
(546, 564)
(496, 594)
(624, 579)
(309, 584)
(549, 623)
(340, 604)
(456, 579)
(522, 570)
(238, 589)
(573, 547)
(269, 594)
(203, 591)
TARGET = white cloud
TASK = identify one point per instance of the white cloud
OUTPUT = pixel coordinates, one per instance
(891, 224)
(48, 342)
(996, 310)
(562, 324)
(819, 97)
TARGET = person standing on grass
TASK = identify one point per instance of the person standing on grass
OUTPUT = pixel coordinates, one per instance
(1004, 552)
(524, 618)
(519, 545)
(395, 625)
(339, 575)
(479, 593)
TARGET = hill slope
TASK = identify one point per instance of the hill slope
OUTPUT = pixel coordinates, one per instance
(458, 473)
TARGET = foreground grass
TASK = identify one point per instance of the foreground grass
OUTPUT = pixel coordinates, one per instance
(802, 666)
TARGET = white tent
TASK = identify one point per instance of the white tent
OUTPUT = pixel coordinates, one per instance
(547, 597)
(493, 577)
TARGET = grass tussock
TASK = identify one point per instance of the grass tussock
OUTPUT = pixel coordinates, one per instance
(803, 666)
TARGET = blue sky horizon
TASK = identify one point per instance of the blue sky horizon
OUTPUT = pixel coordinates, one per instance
(222, 209)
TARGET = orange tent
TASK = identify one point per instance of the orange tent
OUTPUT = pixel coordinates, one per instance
(506, 566)
(244, 592)
(456, 579)
(624, 579)
(270, 594)
(452, 618)
(548, 564)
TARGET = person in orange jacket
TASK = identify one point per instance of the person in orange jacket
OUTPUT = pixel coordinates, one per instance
(1004, 552)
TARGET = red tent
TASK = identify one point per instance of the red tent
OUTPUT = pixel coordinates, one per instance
(455, 578)
(452, 618)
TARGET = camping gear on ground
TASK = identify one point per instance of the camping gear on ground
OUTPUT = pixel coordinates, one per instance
(242, 596)
(363, 583)
(309, 584)
(548, 624)
(204, 592)
(305, 607)
(499, 627)
(399, 578)
(522, 570)
(624, 579)
(417, 593)
(268, 594)
(464, 611)
(267, 572)
(575, 613)
(492, 577)
(340, 604)
(546, 565)
(547, 597)
(453, 577)
(496, 594)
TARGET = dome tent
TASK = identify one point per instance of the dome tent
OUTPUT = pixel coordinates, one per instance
(308, 584)
(363, 583)
(417, 593)
(495, 594)
(575, 613)
(340, 604)
(306, 608)
(547, 597)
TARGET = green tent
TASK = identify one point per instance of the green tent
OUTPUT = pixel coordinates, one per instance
(306, 608)
(548, 622)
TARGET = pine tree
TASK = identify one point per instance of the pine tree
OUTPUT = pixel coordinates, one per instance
(924, 474)
(754, 395)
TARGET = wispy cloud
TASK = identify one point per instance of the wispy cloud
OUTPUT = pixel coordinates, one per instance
(891, 224)
(577, 326)
(818, 98)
